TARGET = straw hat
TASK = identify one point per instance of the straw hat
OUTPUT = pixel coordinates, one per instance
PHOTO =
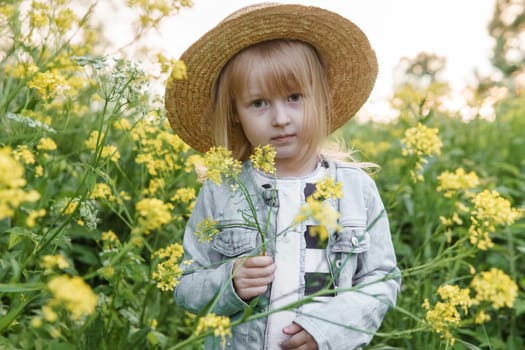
(350, 60)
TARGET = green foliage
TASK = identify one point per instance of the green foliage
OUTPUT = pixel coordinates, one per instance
(93, 182)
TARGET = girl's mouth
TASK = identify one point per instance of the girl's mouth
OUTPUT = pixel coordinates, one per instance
(283, 138)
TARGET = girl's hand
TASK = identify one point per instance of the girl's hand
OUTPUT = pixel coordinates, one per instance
(300, 340)
(251, 276)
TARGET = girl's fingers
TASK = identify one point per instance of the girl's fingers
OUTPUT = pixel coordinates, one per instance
(258, 261)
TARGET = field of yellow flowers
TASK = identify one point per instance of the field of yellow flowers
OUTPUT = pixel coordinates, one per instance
(95, 190)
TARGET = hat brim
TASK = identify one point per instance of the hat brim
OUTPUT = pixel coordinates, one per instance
(351, 63)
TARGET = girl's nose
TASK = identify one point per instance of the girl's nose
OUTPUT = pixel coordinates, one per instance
(280, 115)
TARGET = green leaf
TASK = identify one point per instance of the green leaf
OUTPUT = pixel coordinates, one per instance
(17, 234)
(20, 287)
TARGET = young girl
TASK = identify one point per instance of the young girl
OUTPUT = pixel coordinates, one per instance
(284, 76)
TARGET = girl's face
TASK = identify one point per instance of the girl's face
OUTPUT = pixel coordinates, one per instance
(275, 120)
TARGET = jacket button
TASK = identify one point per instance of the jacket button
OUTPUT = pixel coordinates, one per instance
(338, 263)
(355, 242)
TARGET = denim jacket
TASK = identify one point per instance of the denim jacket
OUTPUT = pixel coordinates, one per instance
(361, 259)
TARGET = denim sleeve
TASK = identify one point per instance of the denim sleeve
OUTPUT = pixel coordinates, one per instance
(376, 284)
(206, 277)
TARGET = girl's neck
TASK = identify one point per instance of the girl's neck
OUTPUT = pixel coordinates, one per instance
(296, 169)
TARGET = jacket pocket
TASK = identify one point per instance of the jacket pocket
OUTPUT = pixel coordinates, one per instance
(233, 241)
(353, 237)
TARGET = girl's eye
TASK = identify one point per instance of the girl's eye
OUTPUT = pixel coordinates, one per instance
(259, 103)
(295, 97)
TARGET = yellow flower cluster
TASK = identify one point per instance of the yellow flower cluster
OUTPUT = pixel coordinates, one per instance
(328, 188)
(74, 294)
(220, 164)
(49, 83)
(451, 183)
(49, 262)
(495, 287)
(158, 149)
(24, 155)
(109, 240)
(110, 152)
(46, 144)
(11, 182)
(263, 158)
(184, 195)
(153, 213)
(206, 230)
(6, 11)
(152, 12)
(220, 324)
(445, 315)
(156, 185)
(490, 210)
(168, 272)
(421, 141)
(102, 191)
(317, 208)
(324, 215)
(33, 216)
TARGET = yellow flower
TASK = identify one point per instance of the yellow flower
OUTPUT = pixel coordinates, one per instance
(102, 191)
(109, 240)
(444, 316)
(23, 154)
(168, 272)
(155, 185)
(11, 171)
(93, 140)
(111, 152)
(64, 19)
(421, 141)
(220, 325)
(70, 206)
(328, 188)
(107, 272)
(33, 216)
(481, 317)
(451, 183)
(178, 71)
(39, 171)
(174, 251)
(11, 182)
(51, 261)
(153, 213)
(74, 294)
(263, 158)
(221, 164)
(122, 124)
(323, 214)
(184, 195)
(455, 296)
(46, 144)
(495, 287)
(36, 322)
(490, 210)
(49, 83)
(167, 275)
(493, 209)
(206, 230)
(49, 314)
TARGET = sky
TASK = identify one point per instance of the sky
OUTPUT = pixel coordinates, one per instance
(456, 29)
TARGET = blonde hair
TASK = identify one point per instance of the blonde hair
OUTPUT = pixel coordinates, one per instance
(283, 66)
